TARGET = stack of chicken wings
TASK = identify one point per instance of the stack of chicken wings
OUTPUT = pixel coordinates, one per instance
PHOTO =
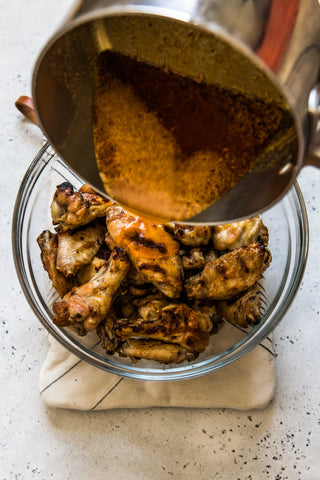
(150, 291)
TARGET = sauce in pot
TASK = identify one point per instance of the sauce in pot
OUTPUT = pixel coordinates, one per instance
(169, 146)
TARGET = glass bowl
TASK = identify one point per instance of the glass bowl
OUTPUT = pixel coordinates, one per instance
(288, 232)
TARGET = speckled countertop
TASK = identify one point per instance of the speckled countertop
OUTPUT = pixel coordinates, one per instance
(37, 442)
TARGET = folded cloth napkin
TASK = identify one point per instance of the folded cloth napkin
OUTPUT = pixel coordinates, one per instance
(248, 383)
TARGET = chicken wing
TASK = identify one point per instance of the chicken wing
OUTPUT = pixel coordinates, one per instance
(140, 348)
(230, 274)
(242, 311)
(155, 350)
(175, 323)
(76, 249)
(48, 243)
(71, 209)
(237, 235)
(86, 306)
(190, 235)
(150, 248)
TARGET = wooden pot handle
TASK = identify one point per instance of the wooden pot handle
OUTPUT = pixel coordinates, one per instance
(25, 105)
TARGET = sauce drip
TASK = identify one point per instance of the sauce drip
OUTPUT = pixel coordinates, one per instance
(169, 146)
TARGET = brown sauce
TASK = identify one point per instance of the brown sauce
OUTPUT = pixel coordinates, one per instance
(169, 146)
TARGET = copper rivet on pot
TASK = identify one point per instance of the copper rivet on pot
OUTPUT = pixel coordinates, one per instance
(285, 169)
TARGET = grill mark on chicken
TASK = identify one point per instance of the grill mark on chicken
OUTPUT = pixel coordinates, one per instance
(141, 240)
(151, 267)
(175, 323)
(150, 248)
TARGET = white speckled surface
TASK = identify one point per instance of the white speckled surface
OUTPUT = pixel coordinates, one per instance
(36, 442)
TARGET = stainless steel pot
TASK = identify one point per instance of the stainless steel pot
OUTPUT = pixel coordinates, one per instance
(269, 49)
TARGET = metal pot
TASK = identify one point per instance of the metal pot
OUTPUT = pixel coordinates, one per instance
(269, 49)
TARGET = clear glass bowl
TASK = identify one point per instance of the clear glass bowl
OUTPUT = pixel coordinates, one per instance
(288, 231)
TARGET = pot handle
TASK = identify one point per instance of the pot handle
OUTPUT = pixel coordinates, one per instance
(25, 105)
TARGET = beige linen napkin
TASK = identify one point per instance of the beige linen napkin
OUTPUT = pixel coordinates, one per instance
(248, 383)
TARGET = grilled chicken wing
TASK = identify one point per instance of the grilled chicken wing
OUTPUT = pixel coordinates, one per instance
(48, 243)
(151, 250)
(230, 274)
(175, 323)
(237, 235)
(71, 209)
(242, 311)
(131, 317)
(86, 306)
(76, 249)
(155, 350)
(190, 235)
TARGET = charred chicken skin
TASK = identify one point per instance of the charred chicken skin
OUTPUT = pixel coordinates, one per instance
(230, 274)
(86, 306)
(150, 248)
(71, 209)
